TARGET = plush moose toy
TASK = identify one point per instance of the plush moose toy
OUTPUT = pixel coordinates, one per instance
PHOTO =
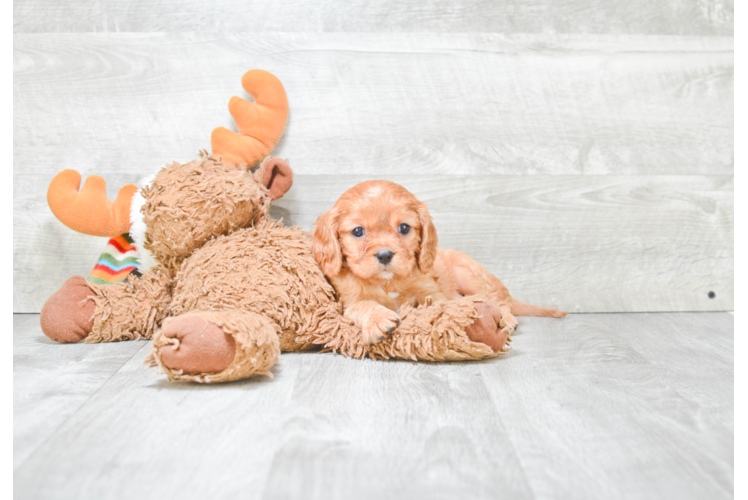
(223, 289)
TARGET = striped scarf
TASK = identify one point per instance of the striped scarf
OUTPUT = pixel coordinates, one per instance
(119, 259)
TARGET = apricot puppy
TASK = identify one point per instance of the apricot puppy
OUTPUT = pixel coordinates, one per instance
(378, 247)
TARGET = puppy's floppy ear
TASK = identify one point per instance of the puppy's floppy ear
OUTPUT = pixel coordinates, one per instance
(429, 240)
(325, 244)
(276, 175)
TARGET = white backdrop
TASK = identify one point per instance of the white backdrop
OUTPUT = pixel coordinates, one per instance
(582, 151)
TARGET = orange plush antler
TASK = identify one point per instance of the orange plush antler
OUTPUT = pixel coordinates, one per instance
(90, 211)
(260, 124)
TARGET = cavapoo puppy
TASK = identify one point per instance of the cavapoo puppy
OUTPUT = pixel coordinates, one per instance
(378, 247)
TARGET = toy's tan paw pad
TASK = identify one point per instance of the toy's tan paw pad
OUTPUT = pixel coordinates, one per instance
(199, 346)
(380, 323)
(67, 316)
(486, 329)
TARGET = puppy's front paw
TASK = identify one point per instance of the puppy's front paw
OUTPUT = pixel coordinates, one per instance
(380, 322)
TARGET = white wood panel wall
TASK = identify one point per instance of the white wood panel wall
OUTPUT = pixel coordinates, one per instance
(668, 17)
(588, 164)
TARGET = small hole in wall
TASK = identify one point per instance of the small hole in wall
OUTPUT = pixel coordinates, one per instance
(711, 295)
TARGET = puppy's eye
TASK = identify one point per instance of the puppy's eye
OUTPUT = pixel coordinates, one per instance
(358, 232)
(404, 228)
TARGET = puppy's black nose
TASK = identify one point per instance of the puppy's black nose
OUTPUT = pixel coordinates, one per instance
(384, 256)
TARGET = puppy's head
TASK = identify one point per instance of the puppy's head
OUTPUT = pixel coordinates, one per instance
(378, 230)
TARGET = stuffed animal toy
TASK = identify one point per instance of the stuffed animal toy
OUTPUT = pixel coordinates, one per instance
(222, 289)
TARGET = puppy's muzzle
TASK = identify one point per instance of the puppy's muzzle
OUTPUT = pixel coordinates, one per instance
(384, 256)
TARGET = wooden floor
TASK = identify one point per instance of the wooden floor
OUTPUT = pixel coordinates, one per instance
(590, 406)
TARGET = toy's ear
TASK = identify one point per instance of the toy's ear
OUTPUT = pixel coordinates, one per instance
(429, 240)
(276, 175)
(325, 244)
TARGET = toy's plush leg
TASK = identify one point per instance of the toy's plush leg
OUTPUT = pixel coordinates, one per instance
(67, 316)
(80, 310)
(443, 331)
(454, 330)
(131, 310)
(216, 346)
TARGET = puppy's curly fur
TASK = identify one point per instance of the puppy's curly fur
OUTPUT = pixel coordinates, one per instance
(378, 247)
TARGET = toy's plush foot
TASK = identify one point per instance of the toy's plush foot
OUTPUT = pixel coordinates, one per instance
(203, 346)
(487, 330)
(67, 316)
(215, 346)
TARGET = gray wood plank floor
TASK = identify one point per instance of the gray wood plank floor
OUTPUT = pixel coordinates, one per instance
(589, 406)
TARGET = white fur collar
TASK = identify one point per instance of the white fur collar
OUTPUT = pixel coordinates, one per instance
(137, 226)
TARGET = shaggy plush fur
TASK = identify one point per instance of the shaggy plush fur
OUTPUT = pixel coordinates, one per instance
(131, 310)
(266, 269)
(188, 204)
